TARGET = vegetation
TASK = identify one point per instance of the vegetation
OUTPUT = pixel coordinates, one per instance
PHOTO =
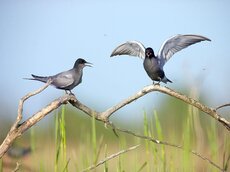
(71, 141)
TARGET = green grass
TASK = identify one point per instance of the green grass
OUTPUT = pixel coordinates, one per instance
(147, 143)
(32, 139)
(94, 140)
(160, 137)
(57, 145)
(61, 161)
(1, 166)
(186, 161)
(89, 142)
(213, 140)
(106, 168)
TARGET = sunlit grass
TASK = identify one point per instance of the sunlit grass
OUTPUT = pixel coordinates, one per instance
(213, 142)
(32, 140)
(186, 161)
(94, 140)
(1, 166)
(106, 168)
(90, 142)
(61, 161)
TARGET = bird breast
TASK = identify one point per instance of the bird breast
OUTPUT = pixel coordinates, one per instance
(151, 64)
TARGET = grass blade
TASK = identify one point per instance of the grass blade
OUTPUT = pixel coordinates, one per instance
(94, 140)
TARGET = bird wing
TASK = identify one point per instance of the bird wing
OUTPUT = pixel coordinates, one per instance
(63, 79)
(177, 43)
(132, 48)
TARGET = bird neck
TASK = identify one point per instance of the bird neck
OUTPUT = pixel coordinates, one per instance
(78, 69)
(150, 57)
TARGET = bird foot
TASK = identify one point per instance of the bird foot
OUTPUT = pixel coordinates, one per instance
(70, 92)
(159, 80)
(157, 83)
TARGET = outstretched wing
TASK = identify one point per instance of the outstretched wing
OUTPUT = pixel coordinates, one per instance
(177, 43)
(132, 48)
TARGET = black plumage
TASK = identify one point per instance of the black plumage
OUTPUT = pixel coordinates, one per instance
(153, 64)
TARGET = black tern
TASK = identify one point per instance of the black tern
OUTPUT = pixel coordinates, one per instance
(66, 80)
(153, 65)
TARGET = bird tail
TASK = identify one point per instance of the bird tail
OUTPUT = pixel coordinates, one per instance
(169, 80)
(165, 80)
(39, 78)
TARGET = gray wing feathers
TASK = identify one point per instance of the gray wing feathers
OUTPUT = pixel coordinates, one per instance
(132, 48)
(177, 43)
(63, 80)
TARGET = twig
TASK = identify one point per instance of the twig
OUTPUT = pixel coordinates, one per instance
(66, 166)
(21, 102)
(17, 130)
(167, 144)
(228, 104)
(104, 116)
(110, 157)
(17, 167)
(225, 163)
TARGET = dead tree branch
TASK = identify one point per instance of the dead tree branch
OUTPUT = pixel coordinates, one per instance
(225, 105)
(17, 130)
(110, 157)
(104, 116)
(167, 144)
(21, 102)
(17, 167)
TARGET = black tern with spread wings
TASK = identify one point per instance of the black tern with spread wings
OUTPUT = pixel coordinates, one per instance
(153, 64)
(66, 80)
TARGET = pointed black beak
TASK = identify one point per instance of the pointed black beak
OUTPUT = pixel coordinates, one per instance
(89, 64)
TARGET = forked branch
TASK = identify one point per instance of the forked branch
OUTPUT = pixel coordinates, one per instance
(18, 129)
(104, 116)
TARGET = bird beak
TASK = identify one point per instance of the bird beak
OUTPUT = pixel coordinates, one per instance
(89, 64)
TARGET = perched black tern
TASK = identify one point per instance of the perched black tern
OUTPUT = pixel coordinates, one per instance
(66, 80)
(153, 65)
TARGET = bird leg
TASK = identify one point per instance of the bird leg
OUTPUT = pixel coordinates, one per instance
(69, 92)
(158, 83)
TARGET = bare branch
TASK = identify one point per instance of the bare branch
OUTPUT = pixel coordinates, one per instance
(110, 157)
(104, 116)
(21, 102)
(86, 109)
(167, 144)
(228, 104)
(17, 167)
(17, 130)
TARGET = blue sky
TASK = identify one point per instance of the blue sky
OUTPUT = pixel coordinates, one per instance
(46, 37)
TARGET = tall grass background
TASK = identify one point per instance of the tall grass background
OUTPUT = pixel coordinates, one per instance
(73, 141)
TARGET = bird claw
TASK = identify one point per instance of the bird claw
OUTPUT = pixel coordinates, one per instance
(157, 83)
(70, 92)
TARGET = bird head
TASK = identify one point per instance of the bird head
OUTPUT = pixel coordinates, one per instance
(149, 53)
(81, 63)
